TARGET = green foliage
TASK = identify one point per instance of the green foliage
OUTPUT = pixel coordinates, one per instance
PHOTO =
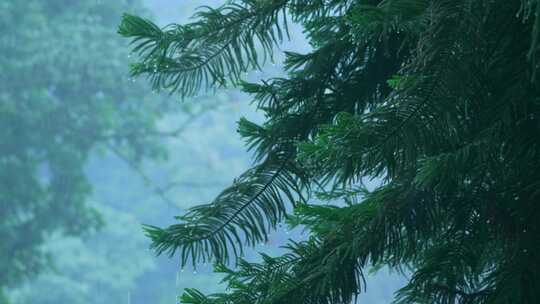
(243, 212)
(221, 44)
(438, 99)
(63, 95)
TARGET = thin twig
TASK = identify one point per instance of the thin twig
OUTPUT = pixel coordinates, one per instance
(146, 179)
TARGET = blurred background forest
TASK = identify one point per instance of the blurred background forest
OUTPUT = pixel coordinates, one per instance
(87, 155)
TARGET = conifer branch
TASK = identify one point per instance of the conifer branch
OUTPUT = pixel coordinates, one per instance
(426, 94)
(220, 46)
(258, 193)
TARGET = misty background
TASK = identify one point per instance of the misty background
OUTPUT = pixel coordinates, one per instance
(155, 155)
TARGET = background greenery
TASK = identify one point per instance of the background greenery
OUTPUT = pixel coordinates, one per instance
(64, 96)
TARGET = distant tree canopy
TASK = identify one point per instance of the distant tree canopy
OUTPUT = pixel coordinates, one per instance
(64, 93)
(100, 268)
(438, 99)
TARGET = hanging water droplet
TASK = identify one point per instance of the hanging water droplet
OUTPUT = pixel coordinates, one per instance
(182, 270)
(194, 271)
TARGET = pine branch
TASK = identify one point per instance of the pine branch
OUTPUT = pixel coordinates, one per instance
(242, 213)
(432, 98)
(218, 47)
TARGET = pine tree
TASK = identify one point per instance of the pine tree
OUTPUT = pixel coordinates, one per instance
(438, 99)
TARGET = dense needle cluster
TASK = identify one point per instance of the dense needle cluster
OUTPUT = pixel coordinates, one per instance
(438, 99)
